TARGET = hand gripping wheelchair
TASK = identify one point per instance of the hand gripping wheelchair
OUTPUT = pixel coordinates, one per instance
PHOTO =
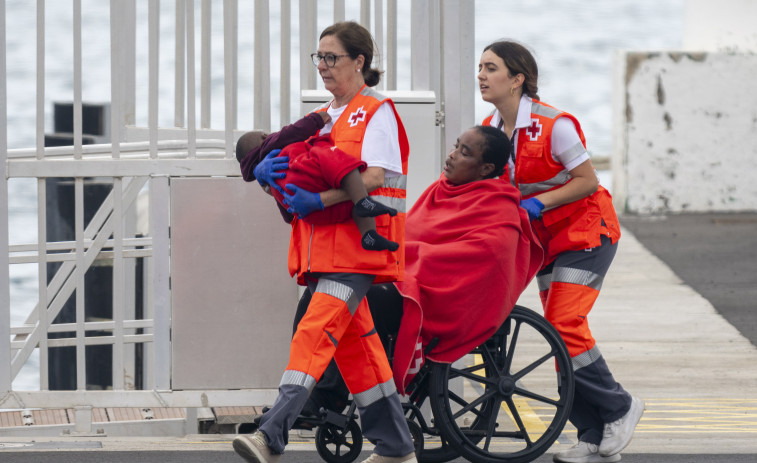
(507, 401)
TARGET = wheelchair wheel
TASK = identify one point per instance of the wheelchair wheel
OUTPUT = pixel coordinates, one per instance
(339, 445)
(509, 399)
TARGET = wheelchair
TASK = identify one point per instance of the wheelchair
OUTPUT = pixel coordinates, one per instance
(507, 401)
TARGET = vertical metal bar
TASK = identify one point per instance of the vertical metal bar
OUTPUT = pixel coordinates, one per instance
(123, 64)
(116, 71)
(79, 272)
(5, 311)
(391, 44)
(262, 67)
(205, 33)
(229, 65)
(81, 268)
(285, 92)
(339, 11)
(154, 56)
(44, 382)
(161, 285)
(422, 66)
(181, 7)
(308, 43)
(118, 285)
(378, 36)
(458, 63)
(40, 138)
(77, 81)
(191, 116)
(365, 13)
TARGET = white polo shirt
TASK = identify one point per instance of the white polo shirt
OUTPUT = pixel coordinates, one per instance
(567, 148)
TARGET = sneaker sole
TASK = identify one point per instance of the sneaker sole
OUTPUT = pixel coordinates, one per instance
(248, 452)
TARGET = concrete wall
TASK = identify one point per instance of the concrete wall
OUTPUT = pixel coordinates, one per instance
(685, 132)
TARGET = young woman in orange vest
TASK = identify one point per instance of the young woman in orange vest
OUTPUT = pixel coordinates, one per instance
(574, 218)
(338, 271)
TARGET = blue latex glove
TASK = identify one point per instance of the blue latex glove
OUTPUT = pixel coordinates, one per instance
(533, 206)
(268, 170)
(302, 202)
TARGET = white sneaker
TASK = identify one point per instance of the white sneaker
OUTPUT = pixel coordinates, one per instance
(584, 452)
(254, 448)
(618, 434)
(376, 458)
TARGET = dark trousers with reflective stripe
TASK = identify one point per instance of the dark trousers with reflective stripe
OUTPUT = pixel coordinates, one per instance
(338, 325)
(568, 287)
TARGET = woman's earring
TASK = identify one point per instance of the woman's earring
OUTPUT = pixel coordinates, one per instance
(512, 91)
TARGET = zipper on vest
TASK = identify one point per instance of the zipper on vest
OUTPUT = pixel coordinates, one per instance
(310, 245)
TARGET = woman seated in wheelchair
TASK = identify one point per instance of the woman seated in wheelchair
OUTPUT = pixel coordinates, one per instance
(469, 254)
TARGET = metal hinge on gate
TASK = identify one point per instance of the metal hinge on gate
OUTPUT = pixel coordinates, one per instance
(439, 119)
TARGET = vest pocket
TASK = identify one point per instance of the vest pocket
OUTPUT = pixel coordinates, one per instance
(347, 238)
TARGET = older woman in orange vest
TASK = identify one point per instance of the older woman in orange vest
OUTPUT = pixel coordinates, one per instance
(574, 218)
(338, 271)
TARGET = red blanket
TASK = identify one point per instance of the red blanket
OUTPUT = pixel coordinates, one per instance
(469, 253)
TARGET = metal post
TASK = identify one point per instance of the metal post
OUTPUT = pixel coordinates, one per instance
(191, 116)
(229, 67)
(339, 13)
(205, 31)
(153, 87)
(262, 67)
(42, 322)
(5, 314)
(391, 44)
(458, 68)
(308, 44)
(161, 287)
(180, 65)
(378, 36)
(285, 92)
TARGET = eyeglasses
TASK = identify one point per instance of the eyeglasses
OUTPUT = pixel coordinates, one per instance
(329, 58)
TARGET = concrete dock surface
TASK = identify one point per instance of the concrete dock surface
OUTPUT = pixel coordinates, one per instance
(656, 324)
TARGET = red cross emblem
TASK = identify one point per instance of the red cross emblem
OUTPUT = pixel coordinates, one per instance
(357, 116)
(535, 130)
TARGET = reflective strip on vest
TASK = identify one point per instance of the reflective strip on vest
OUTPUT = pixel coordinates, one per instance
(297, 378)
(572, 153)
(545, 111)
(376, 393)
(396, 202)
(340, 291)
(570, 275)
(527, 189)
(586, 359)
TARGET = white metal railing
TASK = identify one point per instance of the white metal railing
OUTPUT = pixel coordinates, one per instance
(137, 165)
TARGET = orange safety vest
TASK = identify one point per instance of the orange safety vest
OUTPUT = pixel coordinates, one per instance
(336, 247)
(570, 227)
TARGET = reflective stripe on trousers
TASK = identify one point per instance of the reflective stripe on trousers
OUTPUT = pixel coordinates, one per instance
(338, 325)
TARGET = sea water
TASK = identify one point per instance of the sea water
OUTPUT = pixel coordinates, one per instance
(572, 40)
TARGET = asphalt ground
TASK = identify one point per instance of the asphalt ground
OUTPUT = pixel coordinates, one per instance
(716, 254)
(300, 457)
